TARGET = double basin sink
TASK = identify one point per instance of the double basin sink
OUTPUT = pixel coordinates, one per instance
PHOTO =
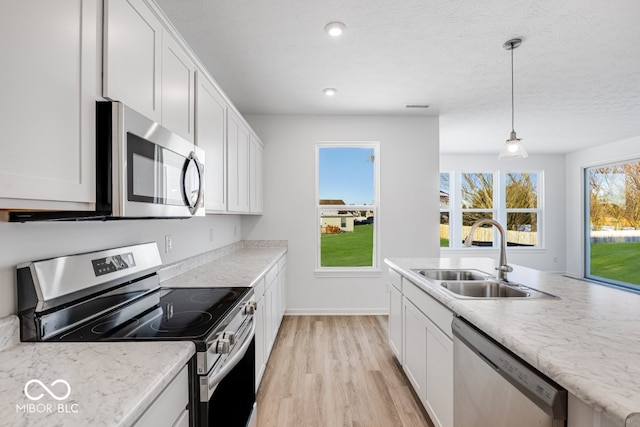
(475, 284)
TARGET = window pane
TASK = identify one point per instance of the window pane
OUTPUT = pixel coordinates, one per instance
(346, 238)
(614, 213)
(483, 235)
(444, 191)
(477, 191)
(444, 229)
(522, 229)
(346, 176)
(522, 191)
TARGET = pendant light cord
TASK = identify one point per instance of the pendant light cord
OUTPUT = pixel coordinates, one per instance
(512, 104)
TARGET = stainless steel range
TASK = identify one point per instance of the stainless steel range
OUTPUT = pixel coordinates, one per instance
(115, 295)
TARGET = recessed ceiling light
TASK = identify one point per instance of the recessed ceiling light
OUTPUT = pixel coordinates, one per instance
(335, 29)
(330, 91)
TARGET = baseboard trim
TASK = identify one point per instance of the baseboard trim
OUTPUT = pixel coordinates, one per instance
(336, 311)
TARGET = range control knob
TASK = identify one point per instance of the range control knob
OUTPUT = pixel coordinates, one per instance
(221, 346)
(249, 308)
(229, 336)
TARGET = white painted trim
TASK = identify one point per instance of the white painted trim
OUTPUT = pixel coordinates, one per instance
(384, 311)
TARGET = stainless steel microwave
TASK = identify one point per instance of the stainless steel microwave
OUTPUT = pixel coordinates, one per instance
(147, 171)
(143, 170)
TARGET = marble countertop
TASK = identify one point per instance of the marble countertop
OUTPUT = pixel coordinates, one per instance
(241, 267)
(588, 340)
(110, 384)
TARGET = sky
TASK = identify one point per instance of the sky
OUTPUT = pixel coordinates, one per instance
(347, 174)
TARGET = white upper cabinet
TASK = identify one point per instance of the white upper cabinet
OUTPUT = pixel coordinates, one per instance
(50, 82)
(132, 56)
(146, 68)
(210, 136)
(255, 175)
(178, 88)
(237, 163)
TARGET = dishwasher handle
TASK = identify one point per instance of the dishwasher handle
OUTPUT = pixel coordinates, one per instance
(545, 393)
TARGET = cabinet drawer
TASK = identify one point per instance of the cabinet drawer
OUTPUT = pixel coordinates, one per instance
(395, 279)
(170, 405)
(271, 275)
(438, 313)
(282, 262)
(258, 289)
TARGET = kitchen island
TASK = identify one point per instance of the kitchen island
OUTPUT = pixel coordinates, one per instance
(587, 340)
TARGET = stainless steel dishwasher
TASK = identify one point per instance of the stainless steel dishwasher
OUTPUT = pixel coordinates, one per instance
(493, 387)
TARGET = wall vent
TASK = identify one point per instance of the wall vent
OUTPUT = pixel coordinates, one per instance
(416, 106)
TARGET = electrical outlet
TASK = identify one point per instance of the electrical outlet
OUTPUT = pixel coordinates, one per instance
(168, 243)
(211, 234)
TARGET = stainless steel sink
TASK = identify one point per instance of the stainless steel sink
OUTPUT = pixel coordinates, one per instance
(439, 274)
(484, 289)
(476, 284)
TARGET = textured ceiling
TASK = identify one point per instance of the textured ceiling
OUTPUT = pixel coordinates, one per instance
(577, 73)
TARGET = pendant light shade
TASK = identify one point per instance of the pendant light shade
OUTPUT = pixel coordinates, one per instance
(513, 148)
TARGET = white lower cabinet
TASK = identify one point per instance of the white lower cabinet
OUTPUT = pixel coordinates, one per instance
(395, 321)
(415, 350)
(420, 328)
(170, 408)
(439, 383)
(268, 293)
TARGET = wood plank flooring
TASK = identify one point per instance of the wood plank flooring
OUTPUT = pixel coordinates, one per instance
(331, 371)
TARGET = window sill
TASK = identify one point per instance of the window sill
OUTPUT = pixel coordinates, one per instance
(347, 272)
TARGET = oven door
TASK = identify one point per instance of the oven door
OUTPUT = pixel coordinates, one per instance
(227, 394)
(155, 173)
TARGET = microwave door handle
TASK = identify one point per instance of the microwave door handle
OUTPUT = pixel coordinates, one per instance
(231, 363)
(193, 208)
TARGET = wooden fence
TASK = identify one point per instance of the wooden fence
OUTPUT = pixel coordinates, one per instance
(486, 235)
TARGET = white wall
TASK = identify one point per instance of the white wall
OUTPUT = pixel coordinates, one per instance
(408, 216)
(33, 241)
(628, 149)
(552, 256)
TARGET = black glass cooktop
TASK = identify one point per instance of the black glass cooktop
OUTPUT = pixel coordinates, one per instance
(181, 313)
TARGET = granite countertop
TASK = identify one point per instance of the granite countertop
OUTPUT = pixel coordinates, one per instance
(241, 267)
(588, 341)
(110, 384)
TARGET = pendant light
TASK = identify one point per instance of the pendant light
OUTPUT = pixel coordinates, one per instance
(513, 148)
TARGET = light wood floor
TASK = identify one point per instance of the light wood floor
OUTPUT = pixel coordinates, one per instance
(332, 371)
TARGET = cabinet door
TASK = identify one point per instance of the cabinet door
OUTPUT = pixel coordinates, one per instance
(269, 296)
(210, 136)
(237, 163)
(132, 56)
(261, 358)
(255, 175)
(50, 83)
(415, 347)
(395, 321)
(283, 291)
(178, 86)
(439, 383)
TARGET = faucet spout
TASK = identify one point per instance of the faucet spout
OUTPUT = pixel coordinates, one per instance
(503, 268)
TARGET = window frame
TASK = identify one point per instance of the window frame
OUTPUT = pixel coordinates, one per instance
(499, 211)
(369, 271)
(625, 286)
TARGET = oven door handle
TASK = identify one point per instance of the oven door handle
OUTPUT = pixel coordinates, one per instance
(215, 379)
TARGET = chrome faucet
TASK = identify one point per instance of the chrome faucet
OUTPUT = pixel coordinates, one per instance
(503, 268)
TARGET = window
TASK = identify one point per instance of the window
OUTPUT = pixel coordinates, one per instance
(511, 198)
(347, 205)
(613, 224)
(445, 213)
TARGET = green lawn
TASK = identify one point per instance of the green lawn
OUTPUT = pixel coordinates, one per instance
(444, 243)
(617, 261)
(348, 249)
